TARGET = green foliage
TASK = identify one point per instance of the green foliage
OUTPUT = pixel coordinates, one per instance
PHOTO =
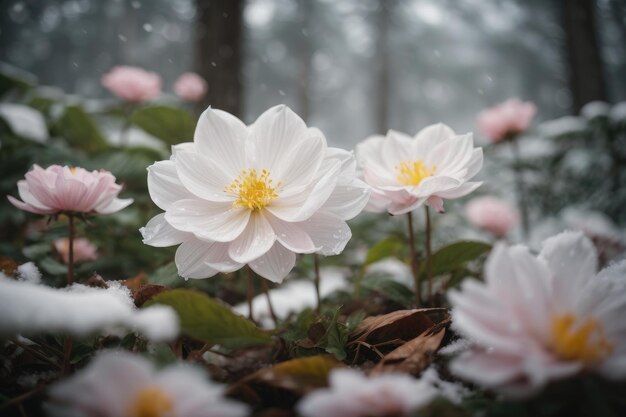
(78, 128)
(391, 246)
(312, 335)
(209, 320)
(14, 80)
(170, 124)
(455, 256)
(387, 287)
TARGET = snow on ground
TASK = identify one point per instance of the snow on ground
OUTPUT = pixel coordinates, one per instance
(27, 308)
(294, 296)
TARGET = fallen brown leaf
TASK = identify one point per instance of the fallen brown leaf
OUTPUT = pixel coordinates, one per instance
(284, 383)
(412, 357)
(384, 333)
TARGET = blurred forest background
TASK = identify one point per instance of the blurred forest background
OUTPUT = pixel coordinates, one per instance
(351, 67)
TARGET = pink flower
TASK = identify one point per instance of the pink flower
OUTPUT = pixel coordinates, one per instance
(132, 84)
(535, 319)
(190, 87)
(508, 118)
(352, 394)
(84, 250)
(58, 189)
(492, 214)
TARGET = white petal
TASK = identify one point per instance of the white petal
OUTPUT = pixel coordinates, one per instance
(274, 134)
(432, 135)
(460, 191)
(369, 153)
(257, 238)
(28, 198)
(292, 236)
(436, 203)
(475, 163)
(190, 259)
(573, 262)
(377, 202)
(164, 186)
(397, 208)
(347, 201)
(203, 177)
(275, 264)
(159, 233)
(222, 137)
(451, 154)
(301, 206)
(302, 163)
(434, 185)
(328, 232)
(115, 205)
(220, 222)
(183, 147)
(396, 148)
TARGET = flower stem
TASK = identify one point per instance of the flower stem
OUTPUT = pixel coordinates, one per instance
(429, 255)
(67, 353)
(266, 290)
(414, 262)
(250, 293)
(521, 189)
(67, 342)
(70, 239)
(128, 111)
(317, 280)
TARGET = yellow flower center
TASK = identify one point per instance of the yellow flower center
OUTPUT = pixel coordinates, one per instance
(151, 402)
(73, 170)
(584, 342)
(254, 190)
(413, 172)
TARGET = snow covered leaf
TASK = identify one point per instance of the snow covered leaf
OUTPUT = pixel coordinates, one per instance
(27, 309)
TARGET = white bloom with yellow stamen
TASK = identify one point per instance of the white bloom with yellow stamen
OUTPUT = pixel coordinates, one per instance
(118, 383)
(406, 172)
(253, 195)
(537, 319)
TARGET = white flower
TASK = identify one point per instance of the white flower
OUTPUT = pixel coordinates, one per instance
(352, 394)
(253, 195)
(27, 308)
(537, 319)
(406, 172)
(122, 384)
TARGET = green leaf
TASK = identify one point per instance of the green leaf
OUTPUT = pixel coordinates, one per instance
(170, 124)
(456, 255)
(13, 79)
(52, 266)
(391, 246)
(209, 320)
(389, 288)
(79, 129)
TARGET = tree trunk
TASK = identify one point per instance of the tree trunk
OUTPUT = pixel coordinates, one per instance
(304, 59)
(219, 52)
(382, 65)
(586, 76)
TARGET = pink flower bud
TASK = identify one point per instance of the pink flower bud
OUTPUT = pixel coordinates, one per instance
(508, 118)
(190, 87)
(492, 214)
(132, 84)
